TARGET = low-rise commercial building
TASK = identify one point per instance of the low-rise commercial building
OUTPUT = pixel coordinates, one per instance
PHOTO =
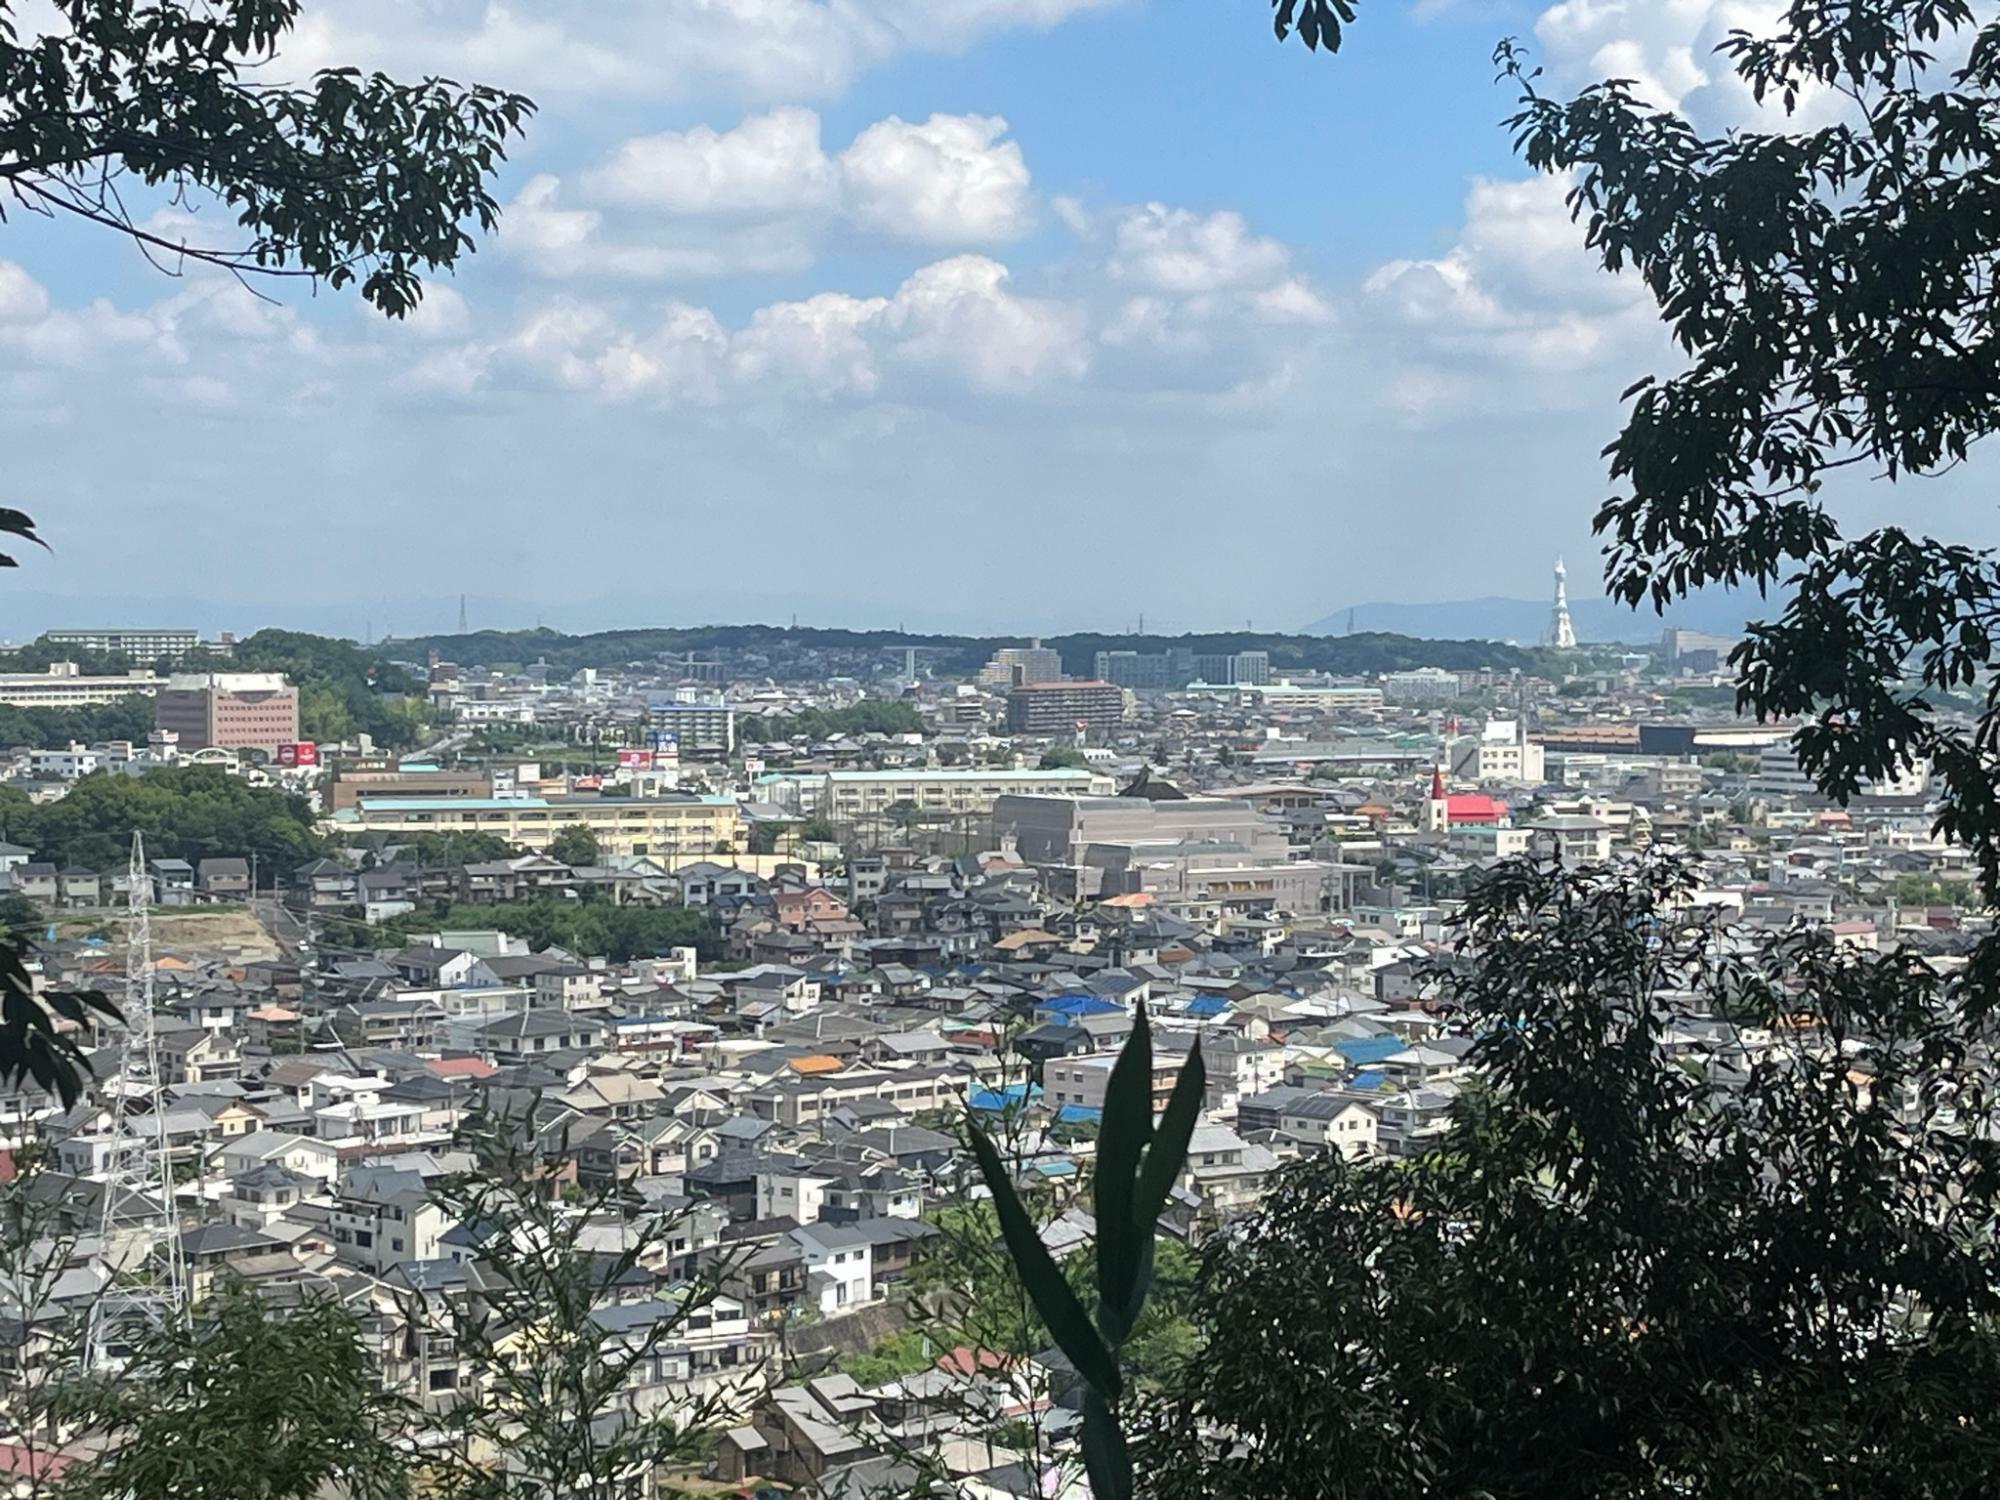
(1199, 850)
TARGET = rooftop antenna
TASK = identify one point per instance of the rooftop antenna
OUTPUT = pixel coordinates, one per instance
(145, 1272)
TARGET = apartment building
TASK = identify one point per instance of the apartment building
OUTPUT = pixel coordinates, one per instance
(850, 796)
(64, 686)
(136, 643)
(697, 729)
(229, 710)
(1064, 707)
(1421, 685)
(1014, 666)
(1331, 698)
(672, 829)
(1501, 752)
(1082, 1081)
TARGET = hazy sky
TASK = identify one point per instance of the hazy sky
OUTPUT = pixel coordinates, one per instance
(1022, 314)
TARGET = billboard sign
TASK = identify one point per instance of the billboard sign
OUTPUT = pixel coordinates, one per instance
(635, 760)
(298, 753)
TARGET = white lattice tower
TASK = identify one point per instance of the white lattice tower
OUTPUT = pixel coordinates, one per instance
(146, 1273)
(1561, 632)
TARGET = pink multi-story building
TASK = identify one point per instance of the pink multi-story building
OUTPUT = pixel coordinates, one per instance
(232, 710)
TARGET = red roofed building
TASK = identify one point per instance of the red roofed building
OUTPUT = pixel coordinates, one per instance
(1475, 807)
(1443, 810)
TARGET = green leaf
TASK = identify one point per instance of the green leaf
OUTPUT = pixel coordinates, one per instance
(1068, 1323)
(1168, 1153)
(1105, 1457)
(1121, 1141)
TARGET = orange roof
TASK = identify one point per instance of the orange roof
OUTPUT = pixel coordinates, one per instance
(459, 1067)
(818, 1062)
(1131, 898)
(271, 1013)
(168, 961)
(1015, 940)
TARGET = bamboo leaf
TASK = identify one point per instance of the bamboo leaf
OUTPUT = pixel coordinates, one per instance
(1168, 1153)
(1121, 1141)
(1105, 1457)
(1068, 1323)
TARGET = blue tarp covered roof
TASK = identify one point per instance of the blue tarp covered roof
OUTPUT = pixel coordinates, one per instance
(992, 1101)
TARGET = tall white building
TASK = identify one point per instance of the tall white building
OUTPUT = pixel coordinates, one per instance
(1502, 752)
(1561, 633)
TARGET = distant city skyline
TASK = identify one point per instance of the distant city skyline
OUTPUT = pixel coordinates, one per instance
(24, 614)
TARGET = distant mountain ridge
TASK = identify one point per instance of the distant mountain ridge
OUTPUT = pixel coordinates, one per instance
(1523, 621)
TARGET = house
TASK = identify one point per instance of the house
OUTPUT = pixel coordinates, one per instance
(173, 882)
(235, 1252)
(382, 1216)
(304, 1155)
(432, 967)
(705, 883)
(1332, 1121)
(529, 1034)
(194, 1054)
(38, 881)
(263, 1195)
(412, 1024)
(839, 1266)
(322, 884)
(79, 886)
(224, 879)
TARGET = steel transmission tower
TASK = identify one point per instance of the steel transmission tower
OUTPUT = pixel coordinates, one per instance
(145, 1272)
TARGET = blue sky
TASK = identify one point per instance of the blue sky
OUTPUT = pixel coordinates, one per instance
(1002, 314)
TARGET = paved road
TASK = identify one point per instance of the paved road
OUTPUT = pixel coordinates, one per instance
(283, 924)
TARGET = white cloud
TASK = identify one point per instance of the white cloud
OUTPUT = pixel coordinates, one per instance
(1663, 46)
(1667, 48)
(654, 50)
(950, 180)
(441, 315)
(961, 314)
(1176, 250)
(821, 344)
(757, 198)
(770, 165)
(676, 356)
(560, 241)
(1514, 311)
(22, 299)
